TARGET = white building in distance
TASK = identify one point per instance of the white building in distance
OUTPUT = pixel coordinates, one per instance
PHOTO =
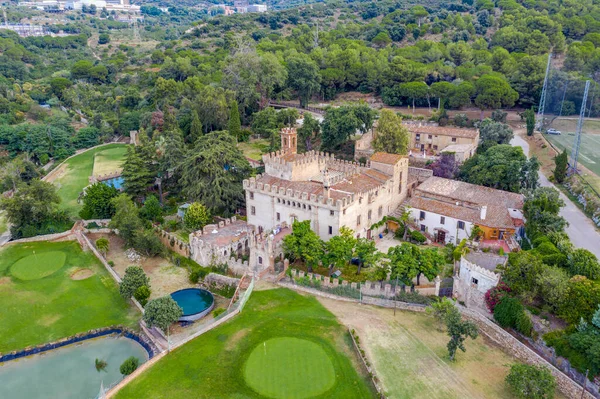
(331, 193)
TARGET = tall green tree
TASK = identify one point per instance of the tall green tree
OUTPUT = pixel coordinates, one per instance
(459, 330)
(133, 279)
(530, 121)
(97, 202)
(235, 124)
(342, 122)
(561, 163)
(212, 173)
(304, 244)
(493, 133)
(196, 216)
(531, 382)
(541, 209)
(308, 132)
(126, 218)
(493, 92)
(367, 253)
(195, 128)
(339, 249)
(303, 76)
(162, 312)
(137, 176)
(390, 135)
(414, 91)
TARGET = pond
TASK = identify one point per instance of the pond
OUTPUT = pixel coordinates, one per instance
(70, 371)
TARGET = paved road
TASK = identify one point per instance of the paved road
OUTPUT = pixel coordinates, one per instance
(581, 229)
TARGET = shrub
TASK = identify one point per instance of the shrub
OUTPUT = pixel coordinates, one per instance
(524, 324)
(197, 275)
(111, 263)
(142, 294)
(495, 295)
(218, 312)
(399, 233)
(508, 311)
(129, 365)
(133, 279)
(417, 236)
(531, 382)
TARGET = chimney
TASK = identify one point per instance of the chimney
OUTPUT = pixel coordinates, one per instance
(483, 212)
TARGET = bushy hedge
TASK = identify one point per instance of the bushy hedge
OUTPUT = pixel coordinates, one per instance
(510, 313)
(417, 236)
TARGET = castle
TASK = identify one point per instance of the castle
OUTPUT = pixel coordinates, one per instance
(331, 193)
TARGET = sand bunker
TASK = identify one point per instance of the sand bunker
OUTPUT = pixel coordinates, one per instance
(82, 274)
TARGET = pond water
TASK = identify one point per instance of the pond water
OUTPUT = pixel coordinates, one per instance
(70, 371)
(116, 182)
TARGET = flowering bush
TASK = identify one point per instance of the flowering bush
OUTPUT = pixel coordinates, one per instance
(495, 295)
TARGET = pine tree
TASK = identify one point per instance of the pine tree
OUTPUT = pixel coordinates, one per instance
(195, 128)
(560, 170)
(235, 125)
(137, 177)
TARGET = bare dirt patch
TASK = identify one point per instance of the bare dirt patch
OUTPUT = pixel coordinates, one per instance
(56, 173)
(82, 274)
(164, 276)
(4, 280)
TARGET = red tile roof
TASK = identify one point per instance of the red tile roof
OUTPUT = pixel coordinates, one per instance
(385, 157)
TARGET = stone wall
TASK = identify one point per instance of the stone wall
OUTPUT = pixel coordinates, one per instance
(173, 242)
(220, 280)
(48, 237)
(514, 347)
(370, 288)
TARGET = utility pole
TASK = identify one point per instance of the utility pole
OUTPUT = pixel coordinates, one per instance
(540, 114)
(575, 152)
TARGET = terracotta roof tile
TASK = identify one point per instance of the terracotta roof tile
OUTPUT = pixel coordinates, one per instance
(384, 157)
(443, 131)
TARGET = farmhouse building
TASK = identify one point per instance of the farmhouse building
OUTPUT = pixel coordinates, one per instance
(329, 192)
(434, 140)
(449, 210)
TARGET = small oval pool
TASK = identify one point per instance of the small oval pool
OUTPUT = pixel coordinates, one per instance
(116, 182)
(195, 302)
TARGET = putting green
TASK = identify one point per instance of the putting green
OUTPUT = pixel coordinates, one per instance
(37, 266)
(293, 368)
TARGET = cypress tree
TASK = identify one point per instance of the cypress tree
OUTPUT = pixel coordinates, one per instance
(195, 128)
(137, 177)
(235, 125)
(560, 170)
(530, 121)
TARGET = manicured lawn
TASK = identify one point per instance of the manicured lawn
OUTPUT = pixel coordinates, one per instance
(283, 345)
(77, 171)
(3, 224)
(255, 148)
(109, 160)
(42, 303)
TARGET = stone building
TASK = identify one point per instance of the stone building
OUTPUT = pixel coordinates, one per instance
(331, 193)
(434, 140)
(475, 276)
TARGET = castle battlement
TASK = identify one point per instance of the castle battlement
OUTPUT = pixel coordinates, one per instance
(481, 270)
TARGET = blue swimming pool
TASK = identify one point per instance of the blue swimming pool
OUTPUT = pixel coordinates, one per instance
(116, 182)
(195, 302)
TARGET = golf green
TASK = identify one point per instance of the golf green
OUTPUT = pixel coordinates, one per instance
(37, 266)
(289, 367)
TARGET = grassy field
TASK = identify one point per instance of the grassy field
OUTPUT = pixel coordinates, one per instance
(74, 174)
(109, 160)
(411, 359)
(41, 302)
(3, 223)
(227, 361)
(255, 148)
(589, 150)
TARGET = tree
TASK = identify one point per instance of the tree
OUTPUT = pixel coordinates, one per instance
(59, 85)
(303, 76)
(507, 312)
(195, 128)
(212, 173)
(382, 39)
(304, 244)
(445, 166)
(196, 216)
(493, 92)
(151, 209)
(531, 382)
(493, 133)
(459, 330)
(103, 38)
(162, 312)
(137, 176)
(129, 365)
(133, 279)
(235, 125)
(147, 243)
(414, 91)
(103, 245)
(126, 218)
(142, 294)
(390, 135)
(81, 69)
(541, 210)
(521, 273)
(530, 121)
(443, 91)
(502, 167)
(581, 301)
(440, 309)
(97, 201)
(561, 163)
(430, 263)
(339, 249)
(87, 137)
(367, 253)
(552, 285)
(584, 263)
(404, 262)
(342, 122)
(308, 131)
(33, 209)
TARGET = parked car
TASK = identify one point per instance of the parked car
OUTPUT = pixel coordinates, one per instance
(553, 131)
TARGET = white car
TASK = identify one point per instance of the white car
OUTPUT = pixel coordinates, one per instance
(553, 131)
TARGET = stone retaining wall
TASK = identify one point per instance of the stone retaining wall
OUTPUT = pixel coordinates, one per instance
(47, 237)
(173, 242)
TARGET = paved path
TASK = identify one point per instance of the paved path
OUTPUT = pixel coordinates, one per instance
(581, 229)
